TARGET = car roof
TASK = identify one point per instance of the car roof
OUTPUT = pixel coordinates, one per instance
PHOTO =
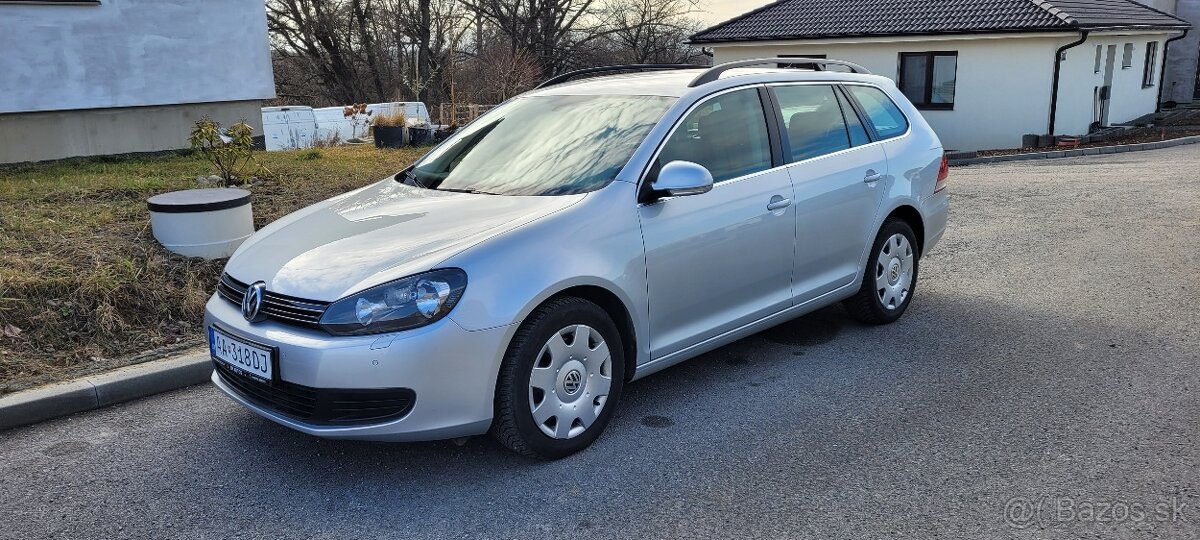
(674, 83)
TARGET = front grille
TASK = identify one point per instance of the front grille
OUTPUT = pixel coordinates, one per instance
(285, 309)
(331, 407)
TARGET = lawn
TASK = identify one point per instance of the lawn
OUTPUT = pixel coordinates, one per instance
(85, 287)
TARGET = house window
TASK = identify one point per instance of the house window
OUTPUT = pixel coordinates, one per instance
(1127, 60)
(928, 78)
(1099, 56)
(800, 66)
(1151, 61)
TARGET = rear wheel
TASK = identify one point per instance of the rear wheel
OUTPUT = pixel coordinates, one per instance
(560, 381)
(890, 278)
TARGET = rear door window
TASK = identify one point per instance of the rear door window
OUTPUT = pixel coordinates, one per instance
(813, 120)
(882, 113)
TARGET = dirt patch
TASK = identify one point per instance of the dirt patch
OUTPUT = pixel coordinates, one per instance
(84, 287)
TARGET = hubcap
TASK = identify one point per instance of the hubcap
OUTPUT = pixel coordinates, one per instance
(894, 272)
(570, 382)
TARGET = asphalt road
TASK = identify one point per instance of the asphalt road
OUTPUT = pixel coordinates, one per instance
(1044, 379)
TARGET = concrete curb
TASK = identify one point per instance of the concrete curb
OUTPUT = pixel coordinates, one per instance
(1056, 154)
(102, 390)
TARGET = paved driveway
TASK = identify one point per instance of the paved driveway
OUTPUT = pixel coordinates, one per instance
(1047, 370)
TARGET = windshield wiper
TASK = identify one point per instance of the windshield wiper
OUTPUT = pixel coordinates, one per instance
(471, 191)
(409, 176)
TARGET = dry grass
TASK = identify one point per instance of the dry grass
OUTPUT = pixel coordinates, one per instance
(83, 284)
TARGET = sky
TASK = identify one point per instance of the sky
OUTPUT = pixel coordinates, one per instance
(715, 11)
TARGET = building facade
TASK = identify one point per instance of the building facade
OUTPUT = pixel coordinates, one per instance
(81, 78)
(981, 71)
(1182, 76)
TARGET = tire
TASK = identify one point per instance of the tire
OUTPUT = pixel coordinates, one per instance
(882, 299)
(548, 342)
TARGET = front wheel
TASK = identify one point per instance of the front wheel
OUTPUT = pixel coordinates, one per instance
(560, 381)
(890, 278)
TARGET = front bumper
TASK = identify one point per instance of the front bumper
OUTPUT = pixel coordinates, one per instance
(452, 372)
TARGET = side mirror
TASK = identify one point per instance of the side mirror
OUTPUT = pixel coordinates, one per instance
(682, 178)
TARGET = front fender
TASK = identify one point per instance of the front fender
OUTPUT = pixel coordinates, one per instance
(595, 243)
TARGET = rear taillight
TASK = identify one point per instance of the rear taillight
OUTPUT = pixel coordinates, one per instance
(943, 175)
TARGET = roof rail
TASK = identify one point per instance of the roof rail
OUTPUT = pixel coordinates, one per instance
(559, 79)
(716, 71)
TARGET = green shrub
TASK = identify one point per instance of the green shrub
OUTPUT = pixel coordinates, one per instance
(231, 152)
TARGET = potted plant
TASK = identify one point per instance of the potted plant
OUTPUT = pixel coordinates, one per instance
(444, 133)
(420, 133)
(390, 130)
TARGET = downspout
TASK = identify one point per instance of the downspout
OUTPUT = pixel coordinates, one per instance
(1162, 73)
(1058, 58)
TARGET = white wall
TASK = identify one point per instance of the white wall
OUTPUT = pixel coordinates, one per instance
(1079, 81)
(126, 53)
(1002, 90)
(41, 136)
(1161, 5)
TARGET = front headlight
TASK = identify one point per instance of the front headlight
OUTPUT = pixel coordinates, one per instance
(411, 302)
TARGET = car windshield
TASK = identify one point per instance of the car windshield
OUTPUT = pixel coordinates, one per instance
(541, 145)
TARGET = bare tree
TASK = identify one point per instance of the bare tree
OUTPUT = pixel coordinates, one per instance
(653, 31)
(431, 29)
(317, 35)
(347, 51)
(500, 73)
(549, 29)
(564, 34)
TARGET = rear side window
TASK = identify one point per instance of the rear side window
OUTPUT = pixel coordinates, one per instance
(726, 134)
(881, 112)
(858, 133)
(813, 119)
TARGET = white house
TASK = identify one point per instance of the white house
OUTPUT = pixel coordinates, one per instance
(82, 78)
(983, 72)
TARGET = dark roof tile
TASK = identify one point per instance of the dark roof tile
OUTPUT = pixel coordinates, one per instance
(810, 19)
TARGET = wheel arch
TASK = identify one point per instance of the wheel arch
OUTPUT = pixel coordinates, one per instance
(616, 310)
(910, 215)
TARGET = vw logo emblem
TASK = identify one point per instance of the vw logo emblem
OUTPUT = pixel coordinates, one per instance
(572, 381)
(252, 302)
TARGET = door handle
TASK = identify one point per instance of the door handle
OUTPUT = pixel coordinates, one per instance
(778, 203)
(872, 176)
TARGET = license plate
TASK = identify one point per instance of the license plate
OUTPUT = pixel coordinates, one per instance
(241, 356)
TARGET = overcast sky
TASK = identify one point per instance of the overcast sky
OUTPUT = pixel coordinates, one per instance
(716, 11)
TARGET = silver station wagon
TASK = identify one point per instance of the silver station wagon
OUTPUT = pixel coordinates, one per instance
(576, 238)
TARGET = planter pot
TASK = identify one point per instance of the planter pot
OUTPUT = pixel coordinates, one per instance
(420, 135)
(205, 223)
(389, 136)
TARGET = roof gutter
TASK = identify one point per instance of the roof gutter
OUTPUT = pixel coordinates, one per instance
(1058, 59)
(1162, 72)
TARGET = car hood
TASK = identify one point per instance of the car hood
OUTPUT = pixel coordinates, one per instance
(379, 233)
